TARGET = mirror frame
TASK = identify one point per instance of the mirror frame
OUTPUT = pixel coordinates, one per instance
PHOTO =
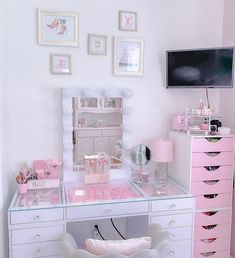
(69, 175)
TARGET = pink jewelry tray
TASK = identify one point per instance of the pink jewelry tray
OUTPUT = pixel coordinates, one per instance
(38, 197)
(100, 192)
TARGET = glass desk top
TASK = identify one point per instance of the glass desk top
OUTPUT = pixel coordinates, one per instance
(92, 194)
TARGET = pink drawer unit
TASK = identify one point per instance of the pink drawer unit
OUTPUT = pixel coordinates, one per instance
(212, 187)
(208, 144)
(209, 201)
(212, 173)
(212, 159)
(212, 244)
(212, 217)
(220, 254)
(212, 231)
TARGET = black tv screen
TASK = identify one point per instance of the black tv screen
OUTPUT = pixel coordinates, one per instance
(212, 68)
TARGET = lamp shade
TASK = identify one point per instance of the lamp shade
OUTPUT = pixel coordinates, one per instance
(161, 150)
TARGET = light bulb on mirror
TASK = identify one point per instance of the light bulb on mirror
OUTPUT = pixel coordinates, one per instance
(128, 110)
(89, 92)
(127, 93)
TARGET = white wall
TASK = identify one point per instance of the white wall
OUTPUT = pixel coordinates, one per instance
(227, 103)
(33, 121)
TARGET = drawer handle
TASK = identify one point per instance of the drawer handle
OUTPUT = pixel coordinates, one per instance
(172, 222)
(209, 227)
(210, 196)
(172, 236)
(108, 211)
(173, 206)
(212, 154)
(37, 236)
(209, 240)
(213, 140)
(211, 168)
(209, 213)
(208, 254)
(38, 252)
(211, 182)
(37, 217)
(171, 252)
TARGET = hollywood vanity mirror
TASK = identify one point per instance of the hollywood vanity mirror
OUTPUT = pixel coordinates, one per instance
(95, 120)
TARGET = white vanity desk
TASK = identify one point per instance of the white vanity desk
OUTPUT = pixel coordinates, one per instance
(35, 228)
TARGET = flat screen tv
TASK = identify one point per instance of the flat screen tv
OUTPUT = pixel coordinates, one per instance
(198, 68)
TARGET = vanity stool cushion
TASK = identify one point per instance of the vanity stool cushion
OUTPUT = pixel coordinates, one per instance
(125, 247)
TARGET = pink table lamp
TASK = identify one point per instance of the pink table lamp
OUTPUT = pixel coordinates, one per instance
(162, 153)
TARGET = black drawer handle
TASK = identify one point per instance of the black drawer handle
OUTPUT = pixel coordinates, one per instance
(210, 196)
(209, 227)
(210, 213)
(207, 254)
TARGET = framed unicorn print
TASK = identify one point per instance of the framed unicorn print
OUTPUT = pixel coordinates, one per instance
(58, 28)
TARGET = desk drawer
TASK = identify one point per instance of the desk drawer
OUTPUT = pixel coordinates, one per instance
(212, 173)
(221, 254)
(212, 231)
(182, 233)
(35, 235)
(213, 217)
(212, 144)
(212, 187)
(173, 221)
(37, 250)
(88, 133)
(32, 216)
(218, 244)
(213, 201)
(173, 204)
(106, 210)
(180, 249)
(212, 159)
(112, 132)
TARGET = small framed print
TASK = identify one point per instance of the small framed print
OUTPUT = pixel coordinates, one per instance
(128, 56)
(97, 44)
(60, 64)
(127, 21)
(57, 28)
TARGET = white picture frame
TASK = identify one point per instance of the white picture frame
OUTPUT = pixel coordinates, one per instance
(58, 28)
(127, 21)
(97, 44)
(128, 56)
(60, 64)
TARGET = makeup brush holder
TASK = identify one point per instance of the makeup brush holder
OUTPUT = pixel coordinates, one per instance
(97, 169)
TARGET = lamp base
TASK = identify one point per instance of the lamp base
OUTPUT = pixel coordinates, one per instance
(161, 174)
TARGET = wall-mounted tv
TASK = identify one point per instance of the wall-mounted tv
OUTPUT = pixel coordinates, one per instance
(198, 68)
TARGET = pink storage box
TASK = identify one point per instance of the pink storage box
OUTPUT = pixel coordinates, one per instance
(206, 159)
(220, 254)
(219, 244)
(222, 172)
(219, 200)
(212, 187)
(214, 217)
(208, 231)
(205, 145)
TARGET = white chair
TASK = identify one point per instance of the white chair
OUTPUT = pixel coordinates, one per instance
(159, 248)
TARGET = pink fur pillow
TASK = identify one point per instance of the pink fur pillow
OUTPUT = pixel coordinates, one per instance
(125, 247)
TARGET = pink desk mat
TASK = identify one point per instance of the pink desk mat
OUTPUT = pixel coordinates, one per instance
(100, 192)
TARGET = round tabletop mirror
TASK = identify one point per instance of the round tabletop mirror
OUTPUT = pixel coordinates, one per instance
(140, 155)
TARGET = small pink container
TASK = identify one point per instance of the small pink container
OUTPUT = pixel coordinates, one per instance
(22, 188)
